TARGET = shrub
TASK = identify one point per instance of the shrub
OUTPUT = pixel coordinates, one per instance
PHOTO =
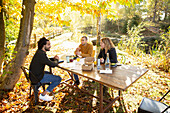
(159, 53)
(164, 27)
(134, 21)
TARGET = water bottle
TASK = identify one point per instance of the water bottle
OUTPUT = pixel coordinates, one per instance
(98, 64)
(107, 62)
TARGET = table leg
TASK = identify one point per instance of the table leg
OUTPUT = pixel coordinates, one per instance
(71, 75)
(121, 101)
(112, 101)
(110, 104)
(101, 98)
(120, 94)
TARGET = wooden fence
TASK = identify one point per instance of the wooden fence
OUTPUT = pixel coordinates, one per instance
(34, 38)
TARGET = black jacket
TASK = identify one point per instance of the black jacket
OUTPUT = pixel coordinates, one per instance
(37, 65)
(112, 55)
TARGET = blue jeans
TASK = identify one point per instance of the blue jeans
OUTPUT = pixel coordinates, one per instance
(55, 80)
(76, 77)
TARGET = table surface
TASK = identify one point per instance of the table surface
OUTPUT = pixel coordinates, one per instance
(121, 78)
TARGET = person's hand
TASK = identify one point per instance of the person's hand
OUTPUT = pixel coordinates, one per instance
(102, 60)
(78, 53)
(78, 49)
(56, 57)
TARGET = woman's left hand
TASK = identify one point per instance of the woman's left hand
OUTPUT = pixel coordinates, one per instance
(102, 60)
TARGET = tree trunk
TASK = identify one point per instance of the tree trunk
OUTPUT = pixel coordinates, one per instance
(98, 30)
(98, 34)
(155, 10)
(166, 11)
(2, 37)
(118, 25)
(22, 46)
(159, 18)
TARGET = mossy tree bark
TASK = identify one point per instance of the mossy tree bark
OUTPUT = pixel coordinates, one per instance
(2, 37)
(22, 46)
(98, 34)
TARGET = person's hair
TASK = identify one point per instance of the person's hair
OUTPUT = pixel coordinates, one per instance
(108, 44)
(84, 37)
(42, 42)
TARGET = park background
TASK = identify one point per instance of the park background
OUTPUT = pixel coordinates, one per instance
(139, 29)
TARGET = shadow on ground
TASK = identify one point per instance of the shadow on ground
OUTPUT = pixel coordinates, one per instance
(76, 101)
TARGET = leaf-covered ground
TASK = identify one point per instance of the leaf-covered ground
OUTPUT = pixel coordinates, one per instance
(152, 85)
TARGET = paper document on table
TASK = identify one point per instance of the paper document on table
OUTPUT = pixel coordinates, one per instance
(81, 61)
(68, 65)
(106, 71)
(72, 65)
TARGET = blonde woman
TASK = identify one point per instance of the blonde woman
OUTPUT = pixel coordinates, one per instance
(107, 46)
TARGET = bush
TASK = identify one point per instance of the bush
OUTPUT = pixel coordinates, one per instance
(110, 26)
(151, 43)
(124, 29)
(164, 27)
(159, 52)
(133, 22)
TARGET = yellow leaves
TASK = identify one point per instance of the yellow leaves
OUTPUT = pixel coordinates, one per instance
(0, 9)
(78, 4)
(95, 12)
(92, 7)
(5, 105)
(114, 1)
(13, 10)
(5, 1)
(23, 93)
(88, 12)
(103, 11)
(109, 16)
(84, 1)
(137, 1)
(103, 3)
(126, 1)
(57, 18)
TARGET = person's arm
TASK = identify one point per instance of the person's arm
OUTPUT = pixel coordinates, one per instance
(55, 59)
(85, 55)
(48, 62)
(89, 53)
(113, 55)
(77, 50)
(101, 56)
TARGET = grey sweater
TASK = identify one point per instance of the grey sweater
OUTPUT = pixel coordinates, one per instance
(37, 65)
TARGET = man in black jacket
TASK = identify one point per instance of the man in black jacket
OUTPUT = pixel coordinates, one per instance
(37, 66)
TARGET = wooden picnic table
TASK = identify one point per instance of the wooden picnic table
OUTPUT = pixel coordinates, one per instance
(122, 77)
